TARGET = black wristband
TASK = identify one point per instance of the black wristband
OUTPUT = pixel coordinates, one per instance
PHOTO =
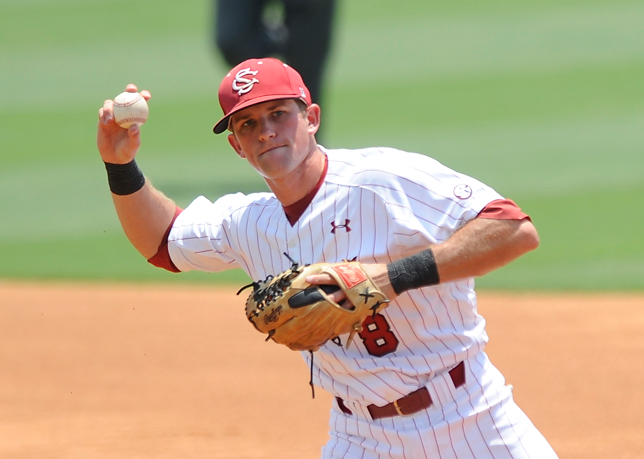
(124, 179)
(413, 272)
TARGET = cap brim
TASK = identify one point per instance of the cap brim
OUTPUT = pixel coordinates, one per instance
(222, 124)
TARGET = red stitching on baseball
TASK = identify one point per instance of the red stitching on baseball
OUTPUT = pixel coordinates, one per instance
(127, 104)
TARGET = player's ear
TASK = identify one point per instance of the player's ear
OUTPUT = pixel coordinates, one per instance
(313, 112)
(232, 140)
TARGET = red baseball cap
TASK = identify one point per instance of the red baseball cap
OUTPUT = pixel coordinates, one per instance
(255, 81)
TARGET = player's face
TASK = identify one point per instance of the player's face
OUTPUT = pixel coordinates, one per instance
(275, 137)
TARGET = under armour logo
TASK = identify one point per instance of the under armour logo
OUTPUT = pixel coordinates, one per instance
(243, 85)
(345, 226)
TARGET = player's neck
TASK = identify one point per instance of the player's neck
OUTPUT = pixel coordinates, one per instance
(301, 181)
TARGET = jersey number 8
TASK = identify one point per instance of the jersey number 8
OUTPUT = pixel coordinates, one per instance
(377, 336)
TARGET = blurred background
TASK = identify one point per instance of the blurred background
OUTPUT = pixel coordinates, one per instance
(541, 100)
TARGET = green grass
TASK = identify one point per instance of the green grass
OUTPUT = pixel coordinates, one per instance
(541, 100)
(107, 257)
(589, 241)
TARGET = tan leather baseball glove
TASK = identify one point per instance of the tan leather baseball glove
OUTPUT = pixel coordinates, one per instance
(302, 316)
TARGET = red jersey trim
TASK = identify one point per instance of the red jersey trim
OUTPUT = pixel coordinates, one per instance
(162, 258)
(295, 210)
(503, 209)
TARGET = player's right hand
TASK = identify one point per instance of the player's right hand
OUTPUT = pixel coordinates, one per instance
(115, 144)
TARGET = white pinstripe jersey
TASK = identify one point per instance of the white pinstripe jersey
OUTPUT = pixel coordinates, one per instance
(376, 205)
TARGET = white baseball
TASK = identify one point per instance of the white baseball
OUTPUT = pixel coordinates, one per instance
(130, 108)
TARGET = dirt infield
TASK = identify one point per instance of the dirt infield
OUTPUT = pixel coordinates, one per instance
(114, 371)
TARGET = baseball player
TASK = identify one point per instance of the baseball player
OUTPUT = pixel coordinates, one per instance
(415, 382)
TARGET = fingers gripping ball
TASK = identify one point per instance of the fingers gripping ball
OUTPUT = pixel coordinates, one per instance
(302, 316)
(130, 108)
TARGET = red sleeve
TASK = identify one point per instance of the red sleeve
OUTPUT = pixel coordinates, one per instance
(503, 209)
(162, 258)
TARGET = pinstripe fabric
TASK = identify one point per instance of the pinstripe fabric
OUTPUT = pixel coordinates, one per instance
(478, 420)
(376, 205)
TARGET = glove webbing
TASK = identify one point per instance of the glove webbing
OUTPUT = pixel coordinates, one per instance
(265, 296)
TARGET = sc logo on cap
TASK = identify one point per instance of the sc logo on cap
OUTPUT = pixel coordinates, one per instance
(243, 85)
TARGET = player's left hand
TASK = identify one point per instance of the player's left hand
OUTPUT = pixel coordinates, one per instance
(376, 271)
(303, 316)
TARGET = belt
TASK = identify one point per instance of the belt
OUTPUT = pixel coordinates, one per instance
(411, 403)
